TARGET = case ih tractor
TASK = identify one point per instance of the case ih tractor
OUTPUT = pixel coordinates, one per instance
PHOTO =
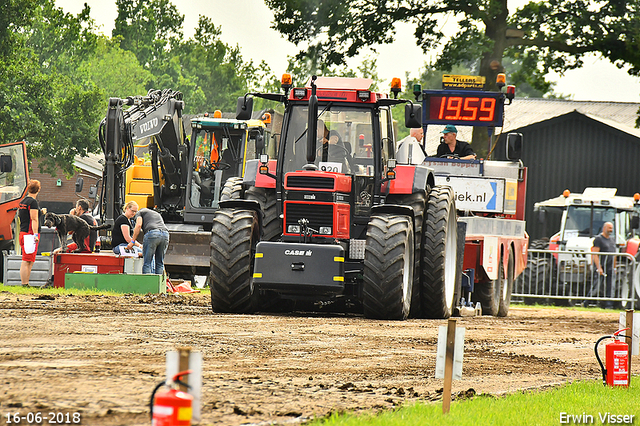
(334, 220)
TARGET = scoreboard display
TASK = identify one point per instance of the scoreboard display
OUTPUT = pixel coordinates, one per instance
(470, 108)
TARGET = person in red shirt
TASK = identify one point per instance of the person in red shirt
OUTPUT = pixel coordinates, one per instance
(29, 216)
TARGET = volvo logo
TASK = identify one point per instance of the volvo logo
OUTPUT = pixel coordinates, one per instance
(149, 125)
(298, 252)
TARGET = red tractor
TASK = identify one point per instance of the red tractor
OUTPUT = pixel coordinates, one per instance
(334, 220)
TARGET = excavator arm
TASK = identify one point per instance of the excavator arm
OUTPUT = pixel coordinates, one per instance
(157, 116)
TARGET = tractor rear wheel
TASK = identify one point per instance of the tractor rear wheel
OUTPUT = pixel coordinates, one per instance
(389, 261)
(234, 236)
(417, 202)
(271, 223)
(439, 253)
(232, 189)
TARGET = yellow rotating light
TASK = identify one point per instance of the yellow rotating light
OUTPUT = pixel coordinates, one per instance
(217, 114)
(286, 80)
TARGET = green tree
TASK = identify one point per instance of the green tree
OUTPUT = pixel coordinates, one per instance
(148, 28)
(543, 36)
(116, 72)
(43, 99)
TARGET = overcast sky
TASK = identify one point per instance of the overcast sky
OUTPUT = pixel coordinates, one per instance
(247, 23)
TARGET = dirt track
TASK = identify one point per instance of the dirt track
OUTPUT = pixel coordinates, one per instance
(102, 356)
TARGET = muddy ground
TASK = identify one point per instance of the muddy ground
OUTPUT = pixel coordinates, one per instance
(102, 356)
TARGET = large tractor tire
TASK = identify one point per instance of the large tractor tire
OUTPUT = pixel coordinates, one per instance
(232, 189)
(389, 261)
(439, 254)
(417, 202)
(507, 287)
(535, 280)
(234, 236)
(271, 223)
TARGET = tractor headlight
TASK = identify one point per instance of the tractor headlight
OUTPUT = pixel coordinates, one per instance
(325, 230)
(293, 229)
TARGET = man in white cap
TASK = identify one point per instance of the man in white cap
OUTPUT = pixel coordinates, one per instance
(452, 148)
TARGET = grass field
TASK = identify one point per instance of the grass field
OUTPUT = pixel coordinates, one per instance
(581, 402)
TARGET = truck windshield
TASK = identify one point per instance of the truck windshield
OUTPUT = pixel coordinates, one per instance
(14, 182)
(580, 221)
(344, 140)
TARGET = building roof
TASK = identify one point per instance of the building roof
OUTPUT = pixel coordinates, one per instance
(526, 111)
(91, 163)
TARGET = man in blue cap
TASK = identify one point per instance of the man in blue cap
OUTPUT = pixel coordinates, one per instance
(452, 148)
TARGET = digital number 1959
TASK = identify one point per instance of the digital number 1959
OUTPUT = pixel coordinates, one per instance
(50, 418)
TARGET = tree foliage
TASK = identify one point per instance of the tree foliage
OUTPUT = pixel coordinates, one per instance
(42, 97)
(552, 35)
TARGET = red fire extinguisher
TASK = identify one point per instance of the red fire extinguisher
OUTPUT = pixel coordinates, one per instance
(617, 360)
(171, 407)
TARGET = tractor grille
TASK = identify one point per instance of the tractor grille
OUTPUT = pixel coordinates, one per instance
(314, 182)
(317, 214)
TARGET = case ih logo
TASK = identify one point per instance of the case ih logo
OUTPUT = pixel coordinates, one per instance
(298, 252)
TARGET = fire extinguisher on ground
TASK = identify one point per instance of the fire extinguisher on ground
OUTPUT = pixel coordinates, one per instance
(617, 360)
(172, 407)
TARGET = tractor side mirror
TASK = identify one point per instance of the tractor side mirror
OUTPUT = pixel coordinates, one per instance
(514, 146)
(79, 184)
(412, 115)
(6, 164)
(635, 221)
(244, 108)
(542, 216)
(259, 142)
(93, 192)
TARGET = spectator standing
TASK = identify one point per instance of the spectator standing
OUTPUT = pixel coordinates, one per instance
(29, 216)
(604, 243)
(155, 242)
(121, 234)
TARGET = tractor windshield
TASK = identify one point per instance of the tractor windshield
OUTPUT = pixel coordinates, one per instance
(344, 139)
(218, 155)
(585, 221)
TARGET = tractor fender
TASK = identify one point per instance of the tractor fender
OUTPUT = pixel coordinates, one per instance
(244, 205)
(393, 209)
(632, 246)
(253, 178)
(411, 179)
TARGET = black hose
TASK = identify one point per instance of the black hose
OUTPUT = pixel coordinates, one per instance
(595, 349)
(153, 394)
(604, 370)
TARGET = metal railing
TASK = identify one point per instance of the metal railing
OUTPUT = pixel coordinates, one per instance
(568, 277)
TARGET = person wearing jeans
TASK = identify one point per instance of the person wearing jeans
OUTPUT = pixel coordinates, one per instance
(155, 242)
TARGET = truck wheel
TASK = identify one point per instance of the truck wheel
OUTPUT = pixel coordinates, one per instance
(489, 293)
(389, 261)
(232, 189)
(234, 236)
(507, 288)
(439, 254)
(271, 223)
(417, 202)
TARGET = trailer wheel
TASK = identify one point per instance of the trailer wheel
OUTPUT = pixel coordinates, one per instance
(234, 236)
(489, 293)
(417, 202)
(389, 261)
(271, 223)
(507, 287)
(439, 254)
(232, 189)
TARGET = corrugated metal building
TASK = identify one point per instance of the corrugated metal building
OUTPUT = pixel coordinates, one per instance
(569, 145)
